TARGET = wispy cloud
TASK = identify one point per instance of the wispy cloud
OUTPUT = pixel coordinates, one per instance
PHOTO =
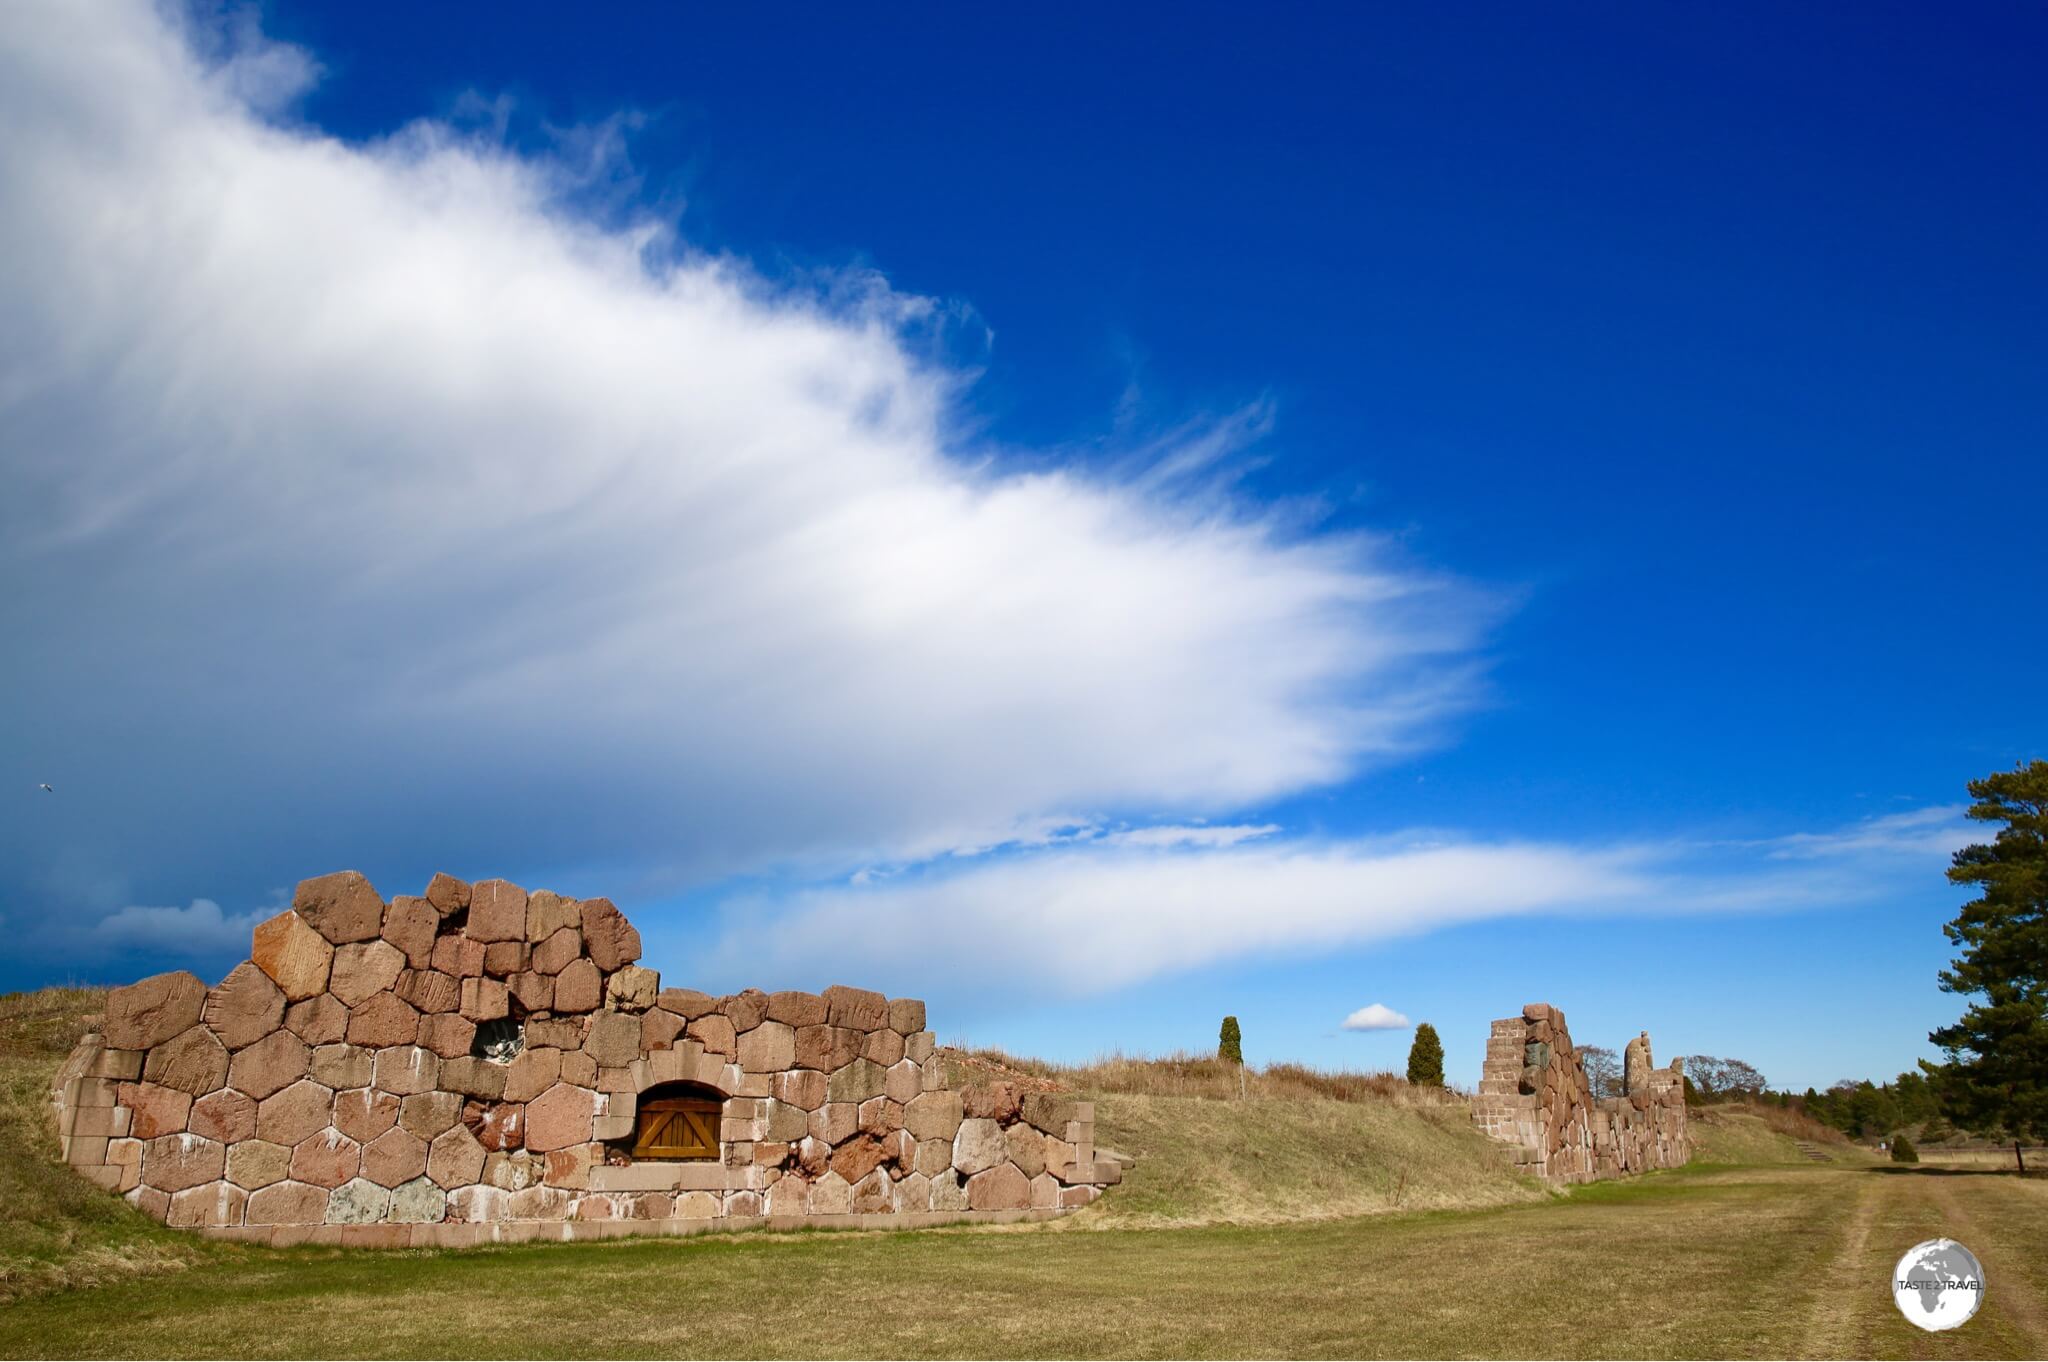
(1941, 828)
(1375, 1017)
(1090, 916)
(426, 511)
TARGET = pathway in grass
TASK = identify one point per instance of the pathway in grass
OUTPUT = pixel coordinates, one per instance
(1726, 1262)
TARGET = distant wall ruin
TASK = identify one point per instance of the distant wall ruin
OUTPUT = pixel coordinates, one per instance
(1534, 1096)
(481, 1063)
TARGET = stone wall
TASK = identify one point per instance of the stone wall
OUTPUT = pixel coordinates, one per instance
(451, 1066)
(1534, 1096)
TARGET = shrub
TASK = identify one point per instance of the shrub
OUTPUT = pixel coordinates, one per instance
(1230, 1042)
(1903, 1151)
(1426, 1058)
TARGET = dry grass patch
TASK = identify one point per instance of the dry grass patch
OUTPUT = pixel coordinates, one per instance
(56, 1229)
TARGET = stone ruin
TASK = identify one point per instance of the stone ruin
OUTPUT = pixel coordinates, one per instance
(483, 1063)
(1534, 1096)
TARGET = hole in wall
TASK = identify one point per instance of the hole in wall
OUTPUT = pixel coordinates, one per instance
(499, 1041)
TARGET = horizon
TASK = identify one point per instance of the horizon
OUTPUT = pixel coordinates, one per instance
(1337, 521)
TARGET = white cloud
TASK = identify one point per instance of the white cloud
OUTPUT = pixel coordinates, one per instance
(200, 928)
(1198, 835)
(1940, 828)
(419, 511)
(1375, 1017)
(1089, 917)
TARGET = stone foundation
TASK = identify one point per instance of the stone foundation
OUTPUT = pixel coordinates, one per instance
(1533, 1095)
(466, 1066)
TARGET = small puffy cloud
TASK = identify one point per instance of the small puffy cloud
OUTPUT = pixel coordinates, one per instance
(1375, 1017)
(199, 929)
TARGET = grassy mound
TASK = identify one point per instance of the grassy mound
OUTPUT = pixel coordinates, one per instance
(1221, 1143)
(1741, 1133)
(59, 1230)
(1264, 1161)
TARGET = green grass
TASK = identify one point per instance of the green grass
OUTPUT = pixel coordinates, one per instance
(1766, 1258)
(1724, 1262)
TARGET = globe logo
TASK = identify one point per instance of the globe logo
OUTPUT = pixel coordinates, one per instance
(1938, 1284)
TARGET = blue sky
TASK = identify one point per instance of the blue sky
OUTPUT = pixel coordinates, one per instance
(1097, 519)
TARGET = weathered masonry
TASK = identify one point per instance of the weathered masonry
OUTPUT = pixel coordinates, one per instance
(1533, 1094)
(482, 1063)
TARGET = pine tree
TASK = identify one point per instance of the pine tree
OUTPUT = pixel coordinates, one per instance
(1230, 1042)
(1996, 1074)
(1902, 1149)
(1426, 1058)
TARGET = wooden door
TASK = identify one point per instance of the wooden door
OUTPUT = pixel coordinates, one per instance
(677, 1128)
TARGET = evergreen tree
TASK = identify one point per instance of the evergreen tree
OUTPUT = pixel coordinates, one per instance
(1426, 1058)
(1230, 1042)
(1902, 1149)
(1996, 1074)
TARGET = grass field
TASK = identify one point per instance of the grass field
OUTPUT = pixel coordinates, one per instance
(1731, 1258)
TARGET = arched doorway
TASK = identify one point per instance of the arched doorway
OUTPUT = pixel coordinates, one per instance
(675, 1122)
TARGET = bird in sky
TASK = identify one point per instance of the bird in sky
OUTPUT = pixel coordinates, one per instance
(46, 786)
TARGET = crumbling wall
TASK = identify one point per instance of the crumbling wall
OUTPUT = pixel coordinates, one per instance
(1534, 1095)
(461, 1064)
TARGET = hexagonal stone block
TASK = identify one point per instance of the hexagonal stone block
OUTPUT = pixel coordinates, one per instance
(411, 924)
(455, 1159)
(286, 1203)
(857, 1009)
(614, 1039)
(193, 1061)
(171, 1163)
(448, 1035)
(152, 1011)
(579, 987)
(768, 1048)
(408, 1069)
(358, 1203)
(906, 1015)
(427, 1114)
(215, 1203)
(560, 1117)
(979, 1145)
(245, 1007)
(608, 939)
(255, 1164)
(272, 1064)
(497, 912)
(418, 1202)
(155, 1110)
(396, 1156)
(225, 1115)
(363, 1114)
(532, 1072)
(290, 1116)
(326, 1159)
(342, 907)
(714, 1032)
(447, 895)
(364, 969)
(857, 1082)
(319, 1020)
(548, 913)
(342, 1065)
(382, 1022)
(294, 955)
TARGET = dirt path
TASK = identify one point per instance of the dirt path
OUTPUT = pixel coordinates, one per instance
(1839, 1305)
(2010, 1296)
